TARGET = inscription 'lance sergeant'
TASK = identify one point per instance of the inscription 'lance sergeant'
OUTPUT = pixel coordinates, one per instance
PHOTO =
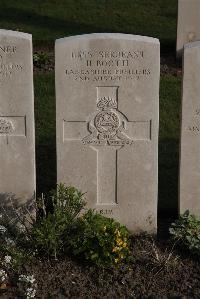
(108, 54)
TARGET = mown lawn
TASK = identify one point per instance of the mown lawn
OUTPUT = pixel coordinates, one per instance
(45, 125)
(170, 95)
(51, 19)
(169, 134)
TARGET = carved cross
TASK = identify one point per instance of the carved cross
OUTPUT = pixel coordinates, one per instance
(108, 131)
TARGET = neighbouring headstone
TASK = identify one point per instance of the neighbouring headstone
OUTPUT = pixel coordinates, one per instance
(107, 89)
(188, 29)
(17, 136)
(189, 198)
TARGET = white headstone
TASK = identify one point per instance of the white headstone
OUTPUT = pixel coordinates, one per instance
(188, 29)
(17, 136)
(107, 90)
(190, 132)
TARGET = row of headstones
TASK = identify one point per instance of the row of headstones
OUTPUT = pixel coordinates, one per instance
(188, 46)
(107, 111)
(188, 25)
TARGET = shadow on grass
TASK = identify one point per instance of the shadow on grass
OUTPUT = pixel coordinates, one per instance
(20, 18)
(46, 165)
(168, 47)
(45, 129)
(168, 184)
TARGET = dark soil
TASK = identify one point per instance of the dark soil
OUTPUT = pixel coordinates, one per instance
(157, 271)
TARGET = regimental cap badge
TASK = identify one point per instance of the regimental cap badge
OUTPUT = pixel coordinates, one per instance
(107, 127)
(6, 127)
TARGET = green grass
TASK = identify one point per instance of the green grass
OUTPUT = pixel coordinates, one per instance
(45, 127)
(170, 100)
(48, 20)
(170, 95)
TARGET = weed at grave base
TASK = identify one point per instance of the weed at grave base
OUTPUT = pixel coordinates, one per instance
(97, 239)
(101, 240)
(40, 59)
(53, 234)
(49, 231)
(59, 229)
(186, 232)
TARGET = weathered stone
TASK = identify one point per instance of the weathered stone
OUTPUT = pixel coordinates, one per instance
(190, 132)
(188, 29)
(17, 142)
(107, 90)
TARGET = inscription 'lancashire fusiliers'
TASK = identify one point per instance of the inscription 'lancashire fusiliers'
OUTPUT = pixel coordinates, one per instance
(107, 74)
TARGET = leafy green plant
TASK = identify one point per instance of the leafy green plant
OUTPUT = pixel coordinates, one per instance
(25, 237)
(40, 59)
(19, 255)
(186, 231)
(101, 240)
(60, 229)
(48, 232)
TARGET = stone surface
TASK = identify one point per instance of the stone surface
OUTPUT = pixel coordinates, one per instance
(190, 132)
(188, 29)
(17, 136)
(107, 90)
